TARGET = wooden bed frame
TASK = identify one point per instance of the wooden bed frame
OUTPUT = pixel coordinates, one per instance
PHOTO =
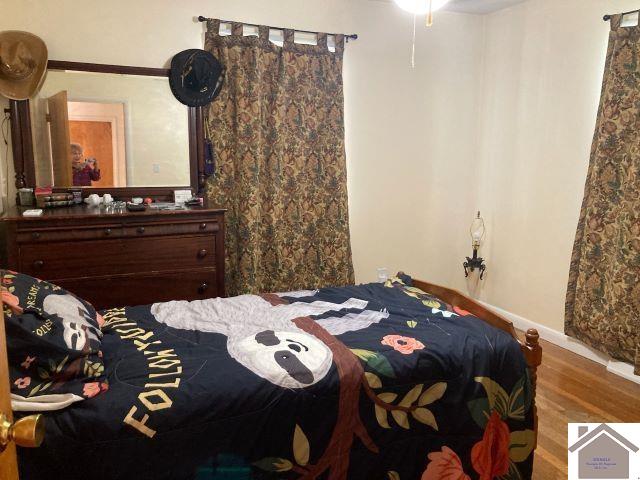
(531, 350)
(530, 347)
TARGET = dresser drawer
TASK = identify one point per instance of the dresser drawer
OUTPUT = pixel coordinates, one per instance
(174, 228)
(118, 256)
(142, 289)
(69, 234)
(129, 230)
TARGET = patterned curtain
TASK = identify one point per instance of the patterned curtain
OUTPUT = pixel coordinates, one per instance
(603, 298)
(277, 129)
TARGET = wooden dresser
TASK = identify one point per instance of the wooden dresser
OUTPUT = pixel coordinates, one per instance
(118, 259)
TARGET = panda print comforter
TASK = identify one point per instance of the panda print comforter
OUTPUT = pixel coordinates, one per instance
(377, 381)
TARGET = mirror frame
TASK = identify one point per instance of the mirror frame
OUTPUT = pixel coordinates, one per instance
(22, 139)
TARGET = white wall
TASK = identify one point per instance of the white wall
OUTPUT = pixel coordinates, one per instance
(411, 143)
(544, 61)
(410, 133)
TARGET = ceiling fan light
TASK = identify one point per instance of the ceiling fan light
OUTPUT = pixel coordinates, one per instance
(420, 7)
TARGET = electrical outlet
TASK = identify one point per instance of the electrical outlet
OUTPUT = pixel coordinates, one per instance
(156, 168)
(383, 274)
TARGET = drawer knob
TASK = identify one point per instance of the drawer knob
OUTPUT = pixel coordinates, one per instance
(35, 235)
(202, 253)
(203, 226)
(107, 231)
(203, 288)
(38, 264)
(140, 229)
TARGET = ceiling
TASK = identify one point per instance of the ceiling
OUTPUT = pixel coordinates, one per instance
(475, 6)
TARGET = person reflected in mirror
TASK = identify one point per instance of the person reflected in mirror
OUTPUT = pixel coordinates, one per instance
(85, 170)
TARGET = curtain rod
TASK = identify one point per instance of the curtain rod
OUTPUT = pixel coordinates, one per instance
(353, 36)
(606, 18)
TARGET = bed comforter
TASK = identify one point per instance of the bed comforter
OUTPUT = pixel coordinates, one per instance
(377, 381)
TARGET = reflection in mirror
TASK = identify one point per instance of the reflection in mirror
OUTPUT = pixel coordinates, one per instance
(109, 130)
(96, 131)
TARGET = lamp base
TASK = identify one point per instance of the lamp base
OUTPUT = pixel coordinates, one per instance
(474, 263)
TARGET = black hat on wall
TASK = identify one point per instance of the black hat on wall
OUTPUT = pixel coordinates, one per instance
(196, 77)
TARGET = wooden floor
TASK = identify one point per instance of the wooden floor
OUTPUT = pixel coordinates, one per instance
(574, 389)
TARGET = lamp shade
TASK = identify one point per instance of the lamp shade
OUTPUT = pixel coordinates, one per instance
(420, 7)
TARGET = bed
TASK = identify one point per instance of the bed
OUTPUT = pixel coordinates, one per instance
(401, 381)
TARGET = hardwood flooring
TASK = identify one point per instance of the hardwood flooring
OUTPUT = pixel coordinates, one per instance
(574, 389)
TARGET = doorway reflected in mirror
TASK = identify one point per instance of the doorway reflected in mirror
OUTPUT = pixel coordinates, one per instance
(97, 130)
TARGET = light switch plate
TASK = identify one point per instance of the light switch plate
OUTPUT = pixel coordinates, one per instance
(383, 274)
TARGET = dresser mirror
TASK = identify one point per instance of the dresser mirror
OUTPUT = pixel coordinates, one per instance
(107, 128)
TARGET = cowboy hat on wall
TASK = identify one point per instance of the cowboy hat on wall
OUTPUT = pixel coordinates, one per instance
(196, 77)
(23, 64)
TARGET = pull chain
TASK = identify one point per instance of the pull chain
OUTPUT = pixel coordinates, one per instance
(429, 24)
(430, 14)
(413, 45)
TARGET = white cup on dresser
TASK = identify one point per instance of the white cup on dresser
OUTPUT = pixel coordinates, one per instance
(94, 200)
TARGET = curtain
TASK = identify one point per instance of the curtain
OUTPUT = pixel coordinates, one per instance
(277, 130)
(603, 297)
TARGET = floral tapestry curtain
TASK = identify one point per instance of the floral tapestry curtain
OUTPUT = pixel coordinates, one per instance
(277, 129)
(603, 297)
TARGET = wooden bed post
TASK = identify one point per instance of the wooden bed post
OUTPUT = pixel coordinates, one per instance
(8, 459)
(26, 432)
(533, 355)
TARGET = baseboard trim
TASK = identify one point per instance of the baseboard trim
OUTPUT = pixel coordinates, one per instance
(621, 369)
